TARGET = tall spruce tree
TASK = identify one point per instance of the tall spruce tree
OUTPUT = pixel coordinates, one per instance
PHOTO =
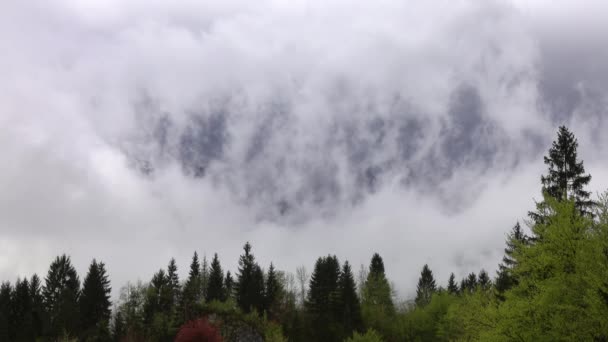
(191, 294)
(6, 331)
(469, 284)
(215, 287)
(484, 280)
(452, 286)
(95, 301)
(505, 279)
(350, 307)
(158, 298)
(38, 313)
(228, 286)
(321, 303)
(173, 283)
(273, 292)
(22, 315)
(250, 283)
(205, 273)
(426, 287)
(566, 178)
(61, 293)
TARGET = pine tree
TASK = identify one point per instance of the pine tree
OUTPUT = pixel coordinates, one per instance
(470, 283)
(566, 176)
(158, 298)
(95, 300)
(350, 310)
(452, 286)
(174, 287)
(484, 280)
(215, 288)
(191, 293)
(321, 301)
(22, 315)
(228, 286)
(273, 292)
(38, 313)
(6, 331)
(250, 283)
(61, 293)
(505, 279)
(205, 273)
(119, 329)
(426, 287)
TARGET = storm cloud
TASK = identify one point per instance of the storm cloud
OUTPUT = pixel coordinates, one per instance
(133, 131)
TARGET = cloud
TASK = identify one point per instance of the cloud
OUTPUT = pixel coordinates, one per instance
(136, 131)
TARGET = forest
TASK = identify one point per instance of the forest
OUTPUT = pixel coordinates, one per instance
(551, 285)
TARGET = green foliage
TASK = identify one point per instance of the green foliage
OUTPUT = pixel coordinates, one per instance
(377, 307)
(452, 286)
(192, 291)
(250, 283)
(369, 336)
(322, 299)
(505, 278)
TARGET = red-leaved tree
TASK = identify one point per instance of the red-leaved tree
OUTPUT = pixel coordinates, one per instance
(199, 330)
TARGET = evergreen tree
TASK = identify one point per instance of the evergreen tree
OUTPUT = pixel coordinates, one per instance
(250, 283)
(215, 288)
(350, 307)
(426, 287)
(95, 300)
(470, 283)
(321, 301)
(273, 291)
(228, 286)
(119, 330)
(22, 314)
(191, 293)
(38, 313)
(452, 286)
(484, 280)
(61, 292)
(158, 297)
(566, 176)
(173, 280)
(6, 331)
(505, 279)
(205, 273)
(377, 305)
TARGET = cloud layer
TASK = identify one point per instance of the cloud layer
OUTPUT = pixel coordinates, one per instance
(136, 131)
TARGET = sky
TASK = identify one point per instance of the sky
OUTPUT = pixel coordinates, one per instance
(136, 131)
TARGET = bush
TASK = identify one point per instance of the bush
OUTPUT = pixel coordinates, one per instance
(199, 330)
(370, 336)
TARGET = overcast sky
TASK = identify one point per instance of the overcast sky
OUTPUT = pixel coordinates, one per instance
(136, 131)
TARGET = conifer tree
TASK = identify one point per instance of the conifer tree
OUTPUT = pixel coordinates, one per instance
(250, 283)
(273, 292)
(22, 315)
(452, 286)
(505, 278)
(6, 291)
(215, 288)
(321, 301)
(228, 286)
(426, 287)
(350, 306)
(38, 313)
(173, 282)
(470, 283)
(205, 273)
(95, 301)
(566, 178)
(158, 298)
(191, 293)
(61, 293)
(376, 290)
(484, 280)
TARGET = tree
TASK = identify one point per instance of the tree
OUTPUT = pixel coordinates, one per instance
(376, 303)
(504, 278)
(215, 289)
(204, 277)
(350, 306)
(322, 299)
(452, 286)
(61, 293)
(484, 280)
(302, 276)
(38, 313)
(6, 331)
(95, 300)
(469, 284)
(228, 286)
(272, 289)
(426, 287)
(566, 176)
(22, 315)
(191, 294)
(173, 282)
(250, 283)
